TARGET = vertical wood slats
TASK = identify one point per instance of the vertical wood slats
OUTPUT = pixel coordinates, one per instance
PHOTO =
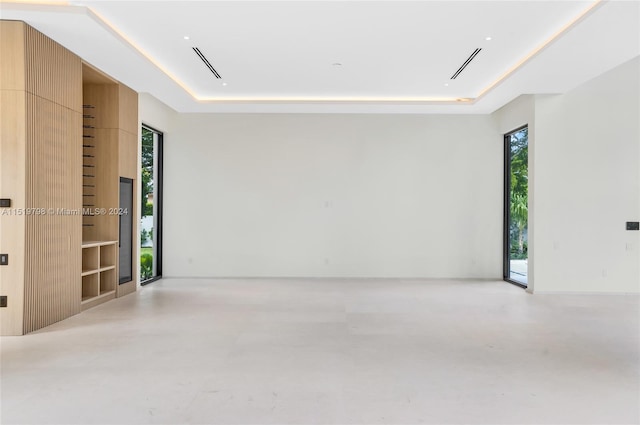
(53, 80)
(52, 261)
(52, 72)
(41, 168)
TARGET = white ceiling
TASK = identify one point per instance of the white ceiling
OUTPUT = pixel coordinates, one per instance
(395, 56)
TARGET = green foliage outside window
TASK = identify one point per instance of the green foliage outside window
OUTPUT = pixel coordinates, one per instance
(147, 172)
(519, 210)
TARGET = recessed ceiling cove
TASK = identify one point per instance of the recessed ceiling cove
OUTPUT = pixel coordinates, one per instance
(393, 56)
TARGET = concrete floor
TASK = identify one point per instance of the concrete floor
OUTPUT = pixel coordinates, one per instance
(332, 352)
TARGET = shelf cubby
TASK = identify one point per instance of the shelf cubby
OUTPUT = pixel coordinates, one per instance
(90, 287)
(107, 281)
(108, 256)
(98, 270)
(90, 260)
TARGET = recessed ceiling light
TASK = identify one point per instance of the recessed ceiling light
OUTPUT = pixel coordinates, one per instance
(446, 84)
(224, 84)
(186, 37)
(488, 38)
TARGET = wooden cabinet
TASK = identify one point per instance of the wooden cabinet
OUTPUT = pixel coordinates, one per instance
(109, 152)
(62, 261)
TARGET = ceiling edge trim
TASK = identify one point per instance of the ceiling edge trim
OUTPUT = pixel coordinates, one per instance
(549, 41)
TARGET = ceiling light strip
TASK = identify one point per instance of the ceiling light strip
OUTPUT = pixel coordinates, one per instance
(39, 2)
(275, 100)
(127, 40)
(109, 26)
(540, 48)
(467, 62)
(341, 100)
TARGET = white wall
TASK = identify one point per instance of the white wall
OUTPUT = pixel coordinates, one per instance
(333, 195)
(409, 196)
(156, 114)
(587, 185)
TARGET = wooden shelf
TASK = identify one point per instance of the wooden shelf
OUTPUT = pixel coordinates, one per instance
(103, 296)
(91, 244)
(98, 271)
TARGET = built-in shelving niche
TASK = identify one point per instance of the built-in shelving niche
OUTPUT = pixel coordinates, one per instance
(100, 182)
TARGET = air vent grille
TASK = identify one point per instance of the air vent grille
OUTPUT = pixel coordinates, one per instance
(467, 62)
(206, 62)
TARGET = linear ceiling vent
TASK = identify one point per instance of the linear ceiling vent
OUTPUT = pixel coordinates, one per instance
(467, 62)
(206, 62)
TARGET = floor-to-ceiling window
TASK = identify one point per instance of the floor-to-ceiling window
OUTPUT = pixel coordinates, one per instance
(516, 201)
(151, 206)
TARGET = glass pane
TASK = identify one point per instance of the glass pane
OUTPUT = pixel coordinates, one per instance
(147, 211)
(519, 205)
(125, 251)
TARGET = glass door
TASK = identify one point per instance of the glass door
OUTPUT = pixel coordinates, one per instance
(516, 210)
(151, 206)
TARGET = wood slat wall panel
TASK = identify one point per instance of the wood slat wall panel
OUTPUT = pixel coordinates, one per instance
(53, 183)
(13, 55)
(41, 98)
(53, 82)
(12, 227)
(52, 72)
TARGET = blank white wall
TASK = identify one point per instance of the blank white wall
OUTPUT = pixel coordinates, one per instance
(154, 113)
(333, 195)
(587, 160)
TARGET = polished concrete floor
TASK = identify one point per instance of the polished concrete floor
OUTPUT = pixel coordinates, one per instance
(331, 352)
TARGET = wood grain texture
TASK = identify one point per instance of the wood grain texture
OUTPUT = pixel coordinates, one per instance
(53, 239)
(105, 99)
(116, 152)
(99, 268)
(12, 53)
(129, 287)
(106, 182)
(12, 227)
(51, 71)
(128, 155)
(41, 157)
(129, 137)
(128, 110)
(98, 301)
(92, 75)
(41, 168)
